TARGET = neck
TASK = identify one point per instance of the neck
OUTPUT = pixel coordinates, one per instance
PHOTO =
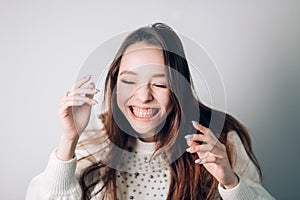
(147, 139)
(143, 146)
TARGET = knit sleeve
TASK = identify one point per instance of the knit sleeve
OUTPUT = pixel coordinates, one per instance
(57, 181)
(60, 178)
(249, 186)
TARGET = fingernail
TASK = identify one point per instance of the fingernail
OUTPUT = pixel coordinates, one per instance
(88, 76)
(188, 149)
(96, 90)
(198, 161)
(188, 137)
(195, 123)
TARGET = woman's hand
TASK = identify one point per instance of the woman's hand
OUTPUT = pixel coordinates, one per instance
(212, 154)
(74, 112)
(75, 108)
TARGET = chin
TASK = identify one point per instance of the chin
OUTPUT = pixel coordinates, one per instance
(147, 128)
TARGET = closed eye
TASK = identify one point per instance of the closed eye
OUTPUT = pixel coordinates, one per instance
(160, 85)
(127, 82)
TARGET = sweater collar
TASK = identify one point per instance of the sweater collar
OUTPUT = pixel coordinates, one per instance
(144, 147)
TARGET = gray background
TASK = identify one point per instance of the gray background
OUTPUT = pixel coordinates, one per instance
(255, 45)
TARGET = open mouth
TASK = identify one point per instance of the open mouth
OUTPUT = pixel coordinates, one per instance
(143, 113)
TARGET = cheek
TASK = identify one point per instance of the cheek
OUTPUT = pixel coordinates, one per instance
(165, 101)
(123, 94)
(169, 107)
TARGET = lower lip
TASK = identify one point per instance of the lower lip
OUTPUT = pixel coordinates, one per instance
(141, 118)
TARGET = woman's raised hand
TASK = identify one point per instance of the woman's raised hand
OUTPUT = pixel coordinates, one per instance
(213, 155)
(75, 108)
(74, 113)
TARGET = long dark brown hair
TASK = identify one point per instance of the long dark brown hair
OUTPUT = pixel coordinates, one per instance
(193, 181)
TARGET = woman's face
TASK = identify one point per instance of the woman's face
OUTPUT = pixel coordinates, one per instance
(142, 92)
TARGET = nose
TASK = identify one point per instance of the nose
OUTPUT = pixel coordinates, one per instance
(144, 94)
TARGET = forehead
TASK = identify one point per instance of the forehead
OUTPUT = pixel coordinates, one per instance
(140, 56)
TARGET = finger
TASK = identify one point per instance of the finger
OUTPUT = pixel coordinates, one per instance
(83, 99)
(66, 104)
(202, 148)
(195, 137)
(213, 152)
(207, 159)
(191, 143)
(82, 81)
(201, 157)
(204, 130)
(84, 91)
(77, 103)
(200, 127)
(92, 86)
(202, 139)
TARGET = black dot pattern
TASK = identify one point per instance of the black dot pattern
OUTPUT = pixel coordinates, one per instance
(140, 174)
(143, 177)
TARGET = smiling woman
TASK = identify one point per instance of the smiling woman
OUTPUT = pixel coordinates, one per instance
(143, 96)
(157, 142)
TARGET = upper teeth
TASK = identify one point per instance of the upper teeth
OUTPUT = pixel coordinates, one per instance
(142, 112)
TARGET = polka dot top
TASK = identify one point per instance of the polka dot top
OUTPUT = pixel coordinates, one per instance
(139, 175)
(142, 176)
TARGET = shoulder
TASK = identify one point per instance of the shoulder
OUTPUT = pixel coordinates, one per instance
(238, 154)
(240, 160)
(234, 140)
(232, 136)
(92, 148)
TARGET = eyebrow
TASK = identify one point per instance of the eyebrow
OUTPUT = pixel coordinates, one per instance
(128, 72)
(133, 73)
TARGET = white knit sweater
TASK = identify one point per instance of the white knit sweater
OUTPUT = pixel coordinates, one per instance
(139, 177)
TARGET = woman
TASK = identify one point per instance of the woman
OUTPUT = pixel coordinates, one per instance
(148, 148)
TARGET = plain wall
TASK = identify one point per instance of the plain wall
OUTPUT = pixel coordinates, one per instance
(254, 44)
